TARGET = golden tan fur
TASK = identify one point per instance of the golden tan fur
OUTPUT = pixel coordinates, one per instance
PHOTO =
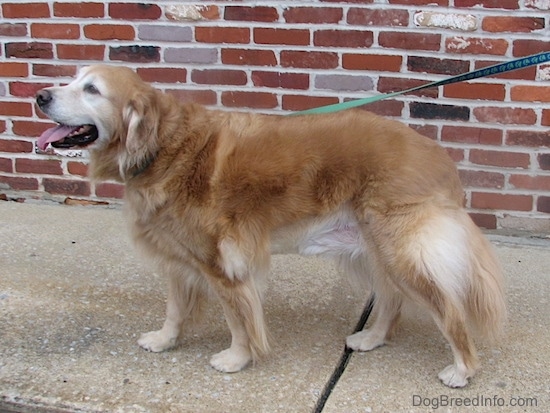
(211, 195)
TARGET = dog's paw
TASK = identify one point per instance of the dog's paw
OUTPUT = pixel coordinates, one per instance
(156, 341)
(454, 376)
(231, 360)
(364, 341)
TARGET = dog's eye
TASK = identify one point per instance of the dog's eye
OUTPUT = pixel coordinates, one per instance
(91, 89)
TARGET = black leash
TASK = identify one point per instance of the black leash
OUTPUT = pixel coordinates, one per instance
(344, 359)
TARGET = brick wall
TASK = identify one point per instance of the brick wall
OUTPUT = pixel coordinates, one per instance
(282, 56)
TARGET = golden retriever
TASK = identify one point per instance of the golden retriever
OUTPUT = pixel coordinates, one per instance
(212, 194)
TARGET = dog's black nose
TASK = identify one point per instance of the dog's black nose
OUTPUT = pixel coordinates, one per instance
(43, 97)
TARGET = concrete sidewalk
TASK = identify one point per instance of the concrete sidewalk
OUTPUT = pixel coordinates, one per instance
(74, 298)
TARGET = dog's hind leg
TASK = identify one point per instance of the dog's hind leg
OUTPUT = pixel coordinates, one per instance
(387, 310)
(185, 294)
(430, 264)
(368, 273)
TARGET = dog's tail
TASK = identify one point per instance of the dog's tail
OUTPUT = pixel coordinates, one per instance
(455, 255)
(485, 296)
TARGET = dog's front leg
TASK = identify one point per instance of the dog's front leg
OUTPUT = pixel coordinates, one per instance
(185, 294)
(244, 315)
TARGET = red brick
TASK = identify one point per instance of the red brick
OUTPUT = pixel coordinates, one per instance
(255, 13)
(349, 1)
(54, 70)
(80, 9)
(475, 91)
(109, 32)
(6, 165)
(410, 41)
(487, 221)
(109, 190)
(222, 34)
(210, 12)
(515, 24)
(471, 135)
(518, 116)
(66, 186)
(298, 37)
(393, 84)
(309, 59)
(15, 146)
(386, 63)
(545, 117)
(386, 108)
(281, 80)
(378, 17)
(429, 131)
(499, 158)
(435, 65)
(249, 57)
(456, 154)
(14, 69)
(544, 161)
(29, 128)
(2, 126)
(25, 89)
(343, 38)
(162, 74)
(138, 11)
(19, 183)
(475, 45)
(484, 200)
(25, 10)
(489, 4)
(481, 179)
(526, 47)
(13, 29)
(528, 138)
(16, 109)
(55, 31)
(81, 52)
(313, 15)
(259, 100)
(525, 93)
(421, 2)
(528, 73)
(203, 97)
(219, 77)
(38, 166)
(300, 102)
(31, 50)
(543, 204)
(534, 183)
(77, 168)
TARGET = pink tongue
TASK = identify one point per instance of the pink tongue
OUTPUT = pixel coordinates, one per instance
(55, 134)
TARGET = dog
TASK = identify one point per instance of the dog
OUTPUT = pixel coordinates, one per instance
(211, 194)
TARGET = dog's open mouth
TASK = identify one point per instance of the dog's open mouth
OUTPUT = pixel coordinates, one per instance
(65, 137)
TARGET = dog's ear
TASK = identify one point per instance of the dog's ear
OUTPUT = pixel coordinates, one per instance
(141, 122)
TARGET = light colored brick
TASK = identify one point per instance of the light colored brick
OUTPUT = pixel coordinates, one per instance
(162, 33)
(190, 55)
(454, 21)
(538, 4)
(344, 82)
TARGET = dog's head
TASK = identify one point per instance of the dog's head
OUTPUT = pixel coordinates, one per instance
(103, 108)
